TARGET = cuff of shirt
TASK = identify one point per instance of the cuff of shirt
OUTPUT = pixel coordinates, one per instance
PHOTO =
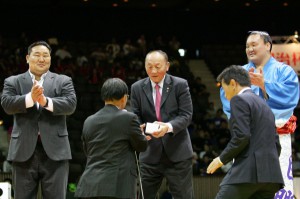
(50, 105)
(170, 129)
(28, 100)
(220, 161)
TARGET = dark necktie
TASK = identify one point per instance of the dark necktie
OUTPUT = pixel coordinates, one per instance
(157, 102)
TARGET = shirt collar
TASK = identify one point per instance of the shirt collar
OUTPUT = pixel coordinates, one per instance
(241, 91)
(161, 83)
(33, 76)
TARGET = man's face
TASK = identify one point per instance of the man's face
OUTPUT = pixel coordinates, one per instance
(39, 60)
(156, 66)
(228, 89)
(256, 49)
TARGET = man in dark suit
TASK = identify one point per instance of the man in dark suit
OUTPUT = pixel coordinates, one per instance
(110, 138)
(169, 153)
(254, 144)
(39, 147)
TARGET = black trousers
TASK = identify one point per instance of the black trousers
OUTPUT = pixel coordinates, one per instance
(179, 176)
(248, 191)
(53, 176)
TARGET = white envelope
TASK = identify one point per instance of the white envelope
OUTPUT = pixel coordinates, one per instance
(151, 127)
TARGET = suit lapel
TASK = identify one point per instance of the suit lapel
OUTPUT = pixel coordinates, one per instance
(27, 85)
(166, 89)
(27, 82)
(48, 83)
(148, 90)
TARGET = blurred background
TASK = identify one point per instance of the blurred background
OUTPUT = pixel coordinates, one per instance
(93, 40)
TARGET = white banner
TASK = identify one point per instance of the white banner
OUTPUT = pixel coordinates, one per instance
(289, 54)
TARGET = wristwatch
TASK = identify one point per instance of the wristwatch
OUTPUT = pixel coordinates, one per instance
(46, 105)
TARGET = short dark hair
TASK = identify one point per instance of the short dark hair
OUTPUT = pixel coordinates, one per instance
(264, 35)
(38, 43)
(113, 89)
(238, 73)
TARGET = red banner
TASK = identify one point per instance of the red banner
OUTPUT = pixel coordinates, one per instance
(289, 54)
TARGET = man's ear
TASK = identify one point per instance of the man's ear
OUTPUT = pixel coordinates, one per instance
(232, 83)
(268, 45)
(168, 66)
(123, 99)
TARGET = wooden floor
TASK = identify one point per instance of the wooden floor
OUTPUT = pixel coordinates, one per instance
(204, 187)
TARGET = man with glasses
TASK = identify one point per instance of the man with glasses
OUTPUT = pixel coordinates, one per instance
(277, 83)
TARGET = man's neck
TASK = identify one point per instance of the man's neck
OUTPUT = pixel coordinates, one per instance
(261, 64)
(114, 103)
(241, 89)
(36, 77)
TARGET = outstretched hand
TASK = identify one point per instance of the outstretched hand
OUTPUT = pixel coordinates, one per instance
(214, 165)
(142, 126)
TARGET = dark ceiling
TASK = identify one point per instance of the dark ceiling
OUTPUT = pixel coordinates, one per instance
(157, 4)
(195, 21)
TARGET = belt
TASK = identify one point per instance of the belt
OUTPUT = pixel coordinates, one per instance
(289, 127)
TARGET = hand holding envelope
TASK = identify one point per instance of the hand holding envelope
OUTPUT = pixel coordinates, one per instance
(156, 129)
(151, 128)
(142, 126)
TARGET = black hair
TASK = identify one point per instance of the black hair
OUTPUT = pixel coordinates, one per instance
(238, 73)
(38, 43)
(264, 35)
(113, 89)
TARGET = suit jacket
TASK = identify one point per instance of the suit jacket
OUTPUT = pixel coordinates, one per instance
(110, 137)
(254, 143)
(28, 122)
(176, 108)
